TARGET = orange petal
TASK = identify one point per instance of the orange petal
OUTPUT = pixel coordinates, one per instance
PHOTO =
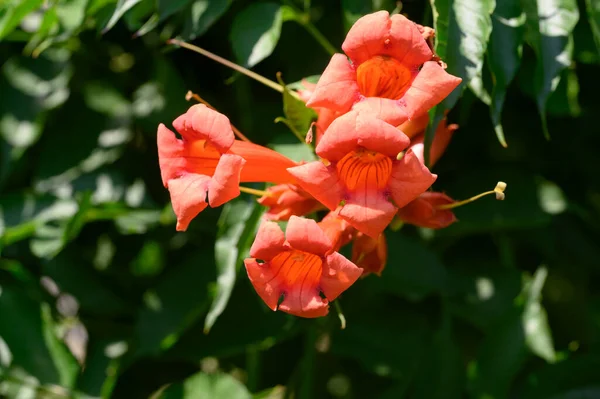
(443, 134)
(415, 126)
(225, 183)
(379, 34)
(429, 88)
(410, 178)
(337, 88)
(390, 111)
(422, 211)
(306, 235)
(203, 123)
(188, 197)
(285, 200)
(262, 164)
(320, 181)
(269, 241)
(353, 130)
(368, 212)
(370, 253)
(338, 274)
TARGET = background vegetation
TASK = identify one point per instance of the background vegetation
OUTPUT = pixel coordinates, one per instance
(99, 296)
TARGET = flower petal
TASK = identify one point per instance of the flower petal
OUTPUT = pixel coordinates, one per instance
(269, 241)
(388, 110)
(415, 126)
(422, 211)
(337, 88)
(353, 130)
(368, 212)
(320, 181)
(170, 151)
(260, 276)
(431, 85)
(225, 183)
(378, 34)
(262, 163)
(188, 197)
(370, 253)
(304, 301)
(306, 235)
(201, 122)
(338, 274)
(409, 179)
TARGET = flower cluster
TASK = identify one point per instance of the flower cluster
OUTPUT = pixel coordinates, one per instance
(372, 108)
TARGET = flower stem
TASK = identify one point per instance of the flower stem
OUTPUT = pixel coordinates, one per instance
(338, 309)
(318, 36)
(258, 193)
(267, 82)
(498, 190)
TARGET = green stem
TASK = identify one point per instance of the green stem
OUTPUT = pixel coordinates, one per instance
(253, 368)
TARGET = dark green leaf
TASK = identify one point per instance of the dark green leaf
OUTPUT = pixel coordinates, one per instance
(297, 115)
(29, 331)
(500, 357)
(412, 270)
(549, 26)
(255, 32)
(170, 7)
(214, 386)
(293, 149)
(593, 12)
(203, 14)
(504, 55)
(237, 226)
(463, 30)
(175, 303)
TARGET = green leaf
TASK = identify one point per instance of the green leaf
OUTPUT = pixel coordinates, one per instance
(535, 320)
(175, 303)
(501, 355)
(504, 55)
(255, 32)
(28, 330)
(237, 226)
(167, 8)
(548, 30)
(121, 8)
(12, 15)
(202, 385)
(352, 10)
(203, 14)
(463, 29)
(297, 115)
(593, 13)
(290, 147)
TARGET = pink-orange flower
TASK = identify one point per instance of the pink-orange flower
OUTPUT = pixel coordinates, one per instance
(337, 229)
(423, 211)
(285, 200)
(392, 72)
(324, 115)
(443, 134)
(299, 266)
(370, 253)
(365, 170)
(208, 162)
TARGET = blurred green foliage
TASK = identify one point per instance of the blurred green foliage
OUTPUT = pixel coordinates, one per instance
(100, 297)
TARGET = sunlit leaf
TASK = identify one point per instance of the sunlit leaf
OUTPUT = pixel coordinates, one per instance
(214, 386)
(15, 11)
(203, 14)
(548, 30)
(463, 29)
(255, 32)
(121, 8)
(504, 55)
(237, 225)
(535, 320)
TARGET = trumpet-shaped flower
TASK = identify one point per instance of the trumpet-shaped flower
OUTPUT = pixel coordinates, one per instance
(370, 253)
(442, 137)
(337, 229)
(285, 200)
(302, 267)
(424, 212)
(365, 168)
(208, 163)
(392, 72)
